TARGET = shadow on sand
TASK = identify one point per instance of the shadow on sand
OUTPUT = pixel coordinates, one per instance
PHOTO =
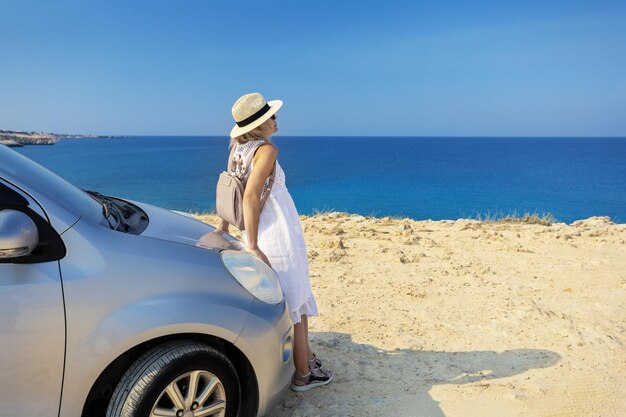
(397, 383)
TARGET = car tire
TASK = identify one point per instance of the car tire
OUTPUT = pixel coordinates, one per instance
(163, 378)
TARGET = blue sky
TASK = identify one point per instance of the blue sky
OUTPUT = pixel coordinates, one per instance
(440, 68)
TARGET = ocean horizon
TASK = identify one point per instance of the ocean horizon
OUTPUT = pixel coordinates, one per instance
(436, 178)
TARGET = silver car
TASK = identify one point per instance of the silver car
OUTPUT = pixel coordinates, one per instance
(110, 307)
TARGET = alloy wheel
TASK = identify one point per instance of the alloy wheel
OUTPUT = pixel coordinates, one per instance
(194, 394)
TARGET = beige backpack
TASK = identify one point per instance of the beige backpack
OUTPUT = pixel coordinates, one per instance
(230, 190)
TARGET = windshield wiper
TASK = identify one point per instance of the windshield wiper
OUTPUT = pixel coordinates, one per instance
(109, 209)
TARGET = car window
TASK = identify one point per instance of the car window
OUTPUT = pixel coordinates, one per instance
(10, 197)
(41, 181)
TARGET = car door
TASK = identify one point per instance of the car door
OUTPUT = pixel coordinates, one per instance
(32, 319)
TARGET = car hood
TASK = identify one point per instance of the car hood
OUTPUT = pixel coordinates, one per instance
(183, 228)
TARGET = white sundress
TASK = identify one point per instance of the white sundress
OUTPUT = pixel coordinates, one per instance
(281, 238)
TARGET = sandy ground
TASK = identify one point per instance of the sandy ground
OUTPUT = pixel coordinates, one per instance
(463, 318)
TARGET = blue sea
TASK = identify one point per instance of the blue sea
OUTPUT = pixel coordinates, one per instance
(421, 178)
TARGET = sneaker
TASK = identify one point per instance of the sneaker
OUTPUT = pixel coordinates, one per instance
(315, 363)
(315, 378)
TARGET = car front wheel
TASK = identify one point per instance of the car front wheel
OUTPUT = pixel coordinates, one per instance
(178, 379)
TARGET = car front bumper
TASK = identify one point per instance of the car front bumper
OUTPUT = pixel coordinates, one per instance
(267, 342)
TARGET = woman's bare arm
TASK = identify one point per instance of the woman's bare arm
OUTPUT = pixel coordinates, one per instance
(263, 164)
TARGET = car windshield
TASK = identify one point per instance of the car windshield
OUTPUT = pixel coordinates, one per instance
(14, 166)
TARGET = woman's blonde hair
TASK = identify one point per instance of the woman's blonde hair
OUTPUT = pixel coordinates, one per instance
(264, 132)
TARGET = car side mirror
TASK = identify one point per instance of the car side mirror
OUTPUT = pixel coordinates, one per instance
(18, 234)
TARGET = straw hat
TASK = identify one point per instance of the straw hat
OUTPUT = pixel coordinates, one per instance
(250, 111)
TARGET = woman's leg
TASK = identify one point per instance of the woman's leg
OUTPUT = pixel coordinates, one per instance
(309, 352)
(300, 352)
(307, 376)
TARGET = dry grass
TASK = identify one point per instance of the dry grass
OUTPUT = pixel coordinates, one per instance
(544, 219)
(196, 213)
(324, 210)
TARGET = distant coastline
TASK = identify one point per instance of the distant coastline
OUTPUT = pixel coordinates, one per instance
(18, 139)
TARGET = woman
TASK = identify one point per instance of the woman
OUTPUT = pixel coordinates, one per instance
(273, 232)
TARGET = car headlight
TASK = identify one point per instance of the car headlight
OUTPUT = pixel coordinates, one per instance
(254, 275)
